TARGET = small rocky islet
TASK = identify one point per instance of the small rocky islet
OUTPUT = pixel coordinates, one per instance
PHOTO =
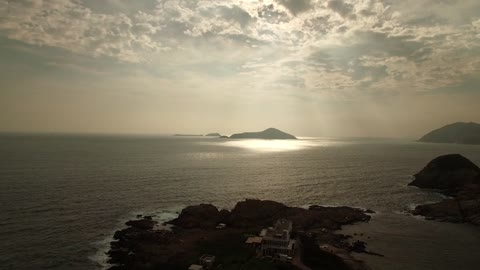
(454, 176)
(146, 245)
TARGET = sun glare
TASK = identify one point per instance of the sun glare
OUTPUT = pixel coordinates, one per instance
(273, 145)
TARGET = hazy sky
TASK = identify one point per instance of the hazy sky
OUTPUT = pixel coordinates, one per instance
(309, 67)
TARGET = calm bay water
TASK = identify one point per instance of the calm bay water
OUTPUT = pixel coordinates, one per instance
(62, 197)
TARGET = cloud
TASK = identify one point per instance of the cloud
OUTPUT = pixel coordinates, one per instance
(342, 8)
(272, 15)
(296, 6)
(73, 27)
(337, 44)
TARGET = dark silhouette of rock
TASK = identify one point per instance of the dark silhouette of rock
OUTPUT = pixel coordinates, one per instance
(462, 133)
(143, 246)
(456, 176)
(257, 213)
(146, 223)
(200, 216)
(270, 133)
(448, 173)
(446, 210)
(213, 135)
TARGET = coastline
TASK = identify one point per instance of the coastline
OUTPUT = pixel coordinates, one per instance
(194, 226)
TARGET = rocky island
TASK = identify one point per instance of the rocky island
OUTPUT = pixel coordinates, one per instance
(234, 238)
(269, 133)
(454, 176)
(461, 133)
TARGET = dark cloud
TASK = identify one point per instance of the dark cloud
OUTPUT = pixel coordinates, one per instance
(367, 13)
(381, 44)
(236, 14)
(352, 60)
(119, 6)
(343, 9)
(272, 15)
(227, 13)
(318, 24)
(427, 20)
(296, 6)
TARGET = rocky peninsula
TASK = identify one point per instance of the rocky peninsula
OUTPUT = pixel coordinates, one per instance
(146, 245)
(457, 177)
(461, 133)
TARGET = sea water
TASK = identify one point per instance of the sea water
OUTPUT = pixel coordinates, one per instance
(63, 196)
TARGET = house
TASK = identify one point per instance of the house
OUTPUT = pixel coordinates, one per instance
(277, 240)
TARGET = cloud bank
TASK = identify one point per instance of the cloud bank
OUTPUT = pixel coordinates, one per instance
(339, 49)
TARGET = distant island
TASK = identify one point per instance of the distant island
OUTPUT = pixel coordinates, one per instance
(457, 177)
(213, 135)
(461, 133)
(188, 135)
(269, 133)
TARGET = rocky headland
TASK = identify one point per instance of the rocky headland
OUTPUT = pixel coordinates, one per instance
(461, 133)
(145, 245)
(456, 177)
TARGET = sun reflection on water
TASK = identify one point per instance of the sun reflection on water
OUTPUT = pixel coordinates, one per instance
(274, 145)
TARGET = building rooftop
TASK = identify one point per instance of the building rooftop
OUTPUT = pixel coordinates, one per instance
(195, 267)
(254, 240)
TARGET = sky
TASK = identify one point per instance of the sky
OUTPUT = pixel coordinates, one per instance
(363, 68)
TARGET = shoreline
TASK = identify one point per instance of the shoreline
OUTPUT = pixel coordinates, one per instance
(317, 225)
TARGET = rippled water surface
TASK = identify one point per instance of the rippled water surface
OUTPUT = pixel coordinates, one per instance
(62, 197)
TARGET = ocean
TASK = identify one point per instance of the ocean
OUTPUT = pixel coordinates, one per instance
(63, 196)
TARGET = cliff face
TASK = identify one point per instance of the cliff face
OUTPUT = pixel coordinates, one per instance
(463, 133)
(270, 133)
(455, 176)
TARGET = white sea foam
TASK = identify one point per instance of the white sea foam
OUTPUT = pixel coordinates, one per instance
(100, 258)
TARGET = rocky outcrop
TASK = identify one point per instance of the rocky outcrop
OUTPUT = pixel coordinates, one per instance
(257, 213)
(458, 177)
(139, 246)
(205, 216)
(448, 173)
(142, 245)
(270, 133)
(463, 133)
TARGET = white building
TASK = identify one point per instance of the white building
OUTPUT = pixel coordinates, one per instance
(276, 240)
